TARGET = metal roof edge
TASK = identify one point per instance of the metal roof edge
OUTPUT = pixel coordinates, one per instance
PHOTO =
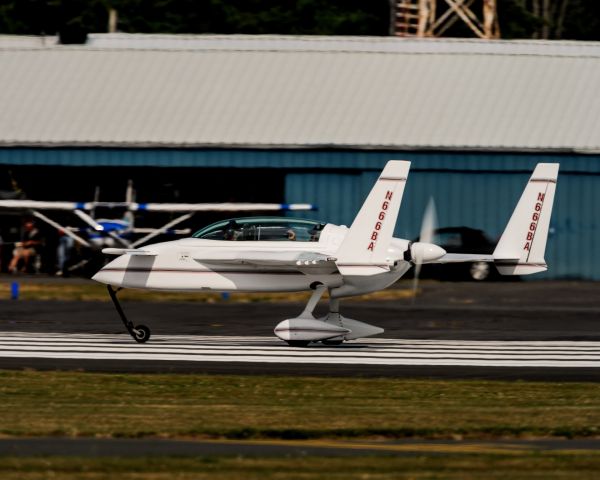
(308, 147)
(305, 43)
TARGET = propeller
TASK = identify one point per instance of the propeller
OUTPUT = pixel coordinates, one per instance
(424, 249)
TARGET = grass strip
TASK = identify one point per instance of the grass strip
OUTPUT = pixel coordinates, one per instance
(460, 467)
(242, 407)
(93, 291)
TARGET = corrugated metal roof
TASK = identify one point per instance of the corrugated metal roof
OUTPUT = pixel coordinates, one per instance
(273, 91)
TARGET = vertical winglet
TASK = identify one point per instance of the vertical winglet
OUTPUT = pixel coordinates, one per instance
(364, 250)
(521, 248)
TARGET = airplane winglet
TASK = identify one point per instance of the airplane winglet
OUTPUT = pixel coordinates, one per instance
(520, 250)
(364, 250)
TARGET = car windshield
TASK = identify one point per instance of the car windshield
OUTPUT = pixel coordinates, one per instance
(263, 228)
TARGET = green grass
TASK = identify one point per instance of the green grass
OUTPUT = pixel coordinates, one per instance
(460, 467)
(63, 290)
(180, 405)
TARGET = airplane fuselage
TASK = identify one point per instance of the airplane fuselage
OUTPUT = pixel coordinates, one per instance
(175, 265)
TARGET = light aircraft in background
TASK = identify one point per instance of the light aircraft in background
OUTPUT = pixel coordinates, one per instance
(110, 232)
(288, 255)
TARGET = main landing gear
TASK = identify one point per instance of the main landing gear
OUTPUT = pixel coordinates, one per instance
(332, 329)
(140, 333)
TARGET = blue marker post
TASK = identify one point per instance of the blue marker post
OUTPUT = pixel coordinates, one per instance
(225, 296)
(14, 291)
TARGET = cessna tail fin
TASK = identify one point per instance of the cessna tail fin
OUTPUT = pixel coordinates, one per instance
(364, 250)
(521, 248)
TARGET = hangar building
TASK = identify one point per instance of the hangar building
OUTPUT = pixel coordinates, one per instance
(312, 119)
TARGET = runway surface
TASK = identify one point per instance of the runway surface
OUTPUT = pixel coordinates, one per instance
(365, 356)
(376, 351)
(520, 330)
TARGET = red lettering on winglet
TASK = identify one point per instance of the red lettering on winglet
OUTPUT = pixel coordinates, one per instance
(381, 216)
(535, 217)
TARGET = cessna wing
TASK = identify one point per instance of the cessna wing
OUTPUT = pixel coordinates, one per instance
(219, 207)
(40, 205)
(155, 207)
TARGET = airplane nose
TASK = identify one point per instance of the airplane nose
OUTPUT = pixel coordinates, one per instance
(110, 274)
(103, 276)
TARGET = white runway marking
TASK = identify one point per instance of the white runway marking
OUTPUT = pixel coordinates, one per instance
(374, 351)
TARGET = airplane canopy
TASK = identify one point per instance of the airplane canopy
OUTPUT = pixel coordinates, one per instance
(263, 229)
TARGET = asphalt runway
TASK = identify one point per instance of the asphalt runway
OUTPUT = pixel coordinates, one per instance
(529, 330)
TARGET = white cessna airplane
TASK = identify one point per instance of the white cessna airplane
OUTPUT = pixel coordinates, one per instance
(286, 255)
(104, 232)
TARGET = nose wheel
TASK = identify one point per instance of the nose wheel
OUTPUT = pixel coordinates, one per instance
(140, 333)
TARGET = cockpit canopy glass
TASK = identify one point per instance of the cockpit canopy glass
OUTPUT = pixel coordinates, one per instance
(270, 229)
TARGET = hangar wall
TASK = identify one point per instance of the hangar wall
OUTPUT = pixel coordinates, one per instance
(473, 189)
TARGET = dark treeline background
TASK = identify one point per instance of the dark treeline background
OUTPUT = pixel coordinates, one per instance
(567, 19)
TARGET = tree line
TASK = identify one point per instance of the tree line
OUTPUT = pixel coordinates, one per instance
(73, 19)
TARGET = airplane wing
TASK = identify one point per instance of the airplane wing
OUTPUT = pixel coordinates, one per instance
(40, 205)
(463, 257)
(218, 207)
(266, 258)
(257, 258)
(156, 207)
(128, 251)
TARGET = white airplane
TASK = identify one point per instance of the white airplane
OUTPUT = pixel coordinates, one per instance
(288, 255)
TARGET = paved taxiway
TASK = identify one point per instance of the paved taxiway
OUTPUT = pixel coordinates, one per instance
(144, 446)
(545, 330)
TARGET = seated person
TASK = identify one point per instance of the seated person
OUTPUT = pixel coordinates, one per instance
(29, 247)
(315, 233)
(232, 231)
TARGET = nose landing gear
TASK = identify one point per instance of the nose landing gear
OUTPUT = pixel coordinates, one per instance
(140, 333)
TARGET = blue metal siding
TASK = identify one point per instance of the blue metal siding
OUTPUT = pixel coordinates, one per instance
(475, 189)
(477, 200)
(338, 195)
(482, 201)
(295, 159)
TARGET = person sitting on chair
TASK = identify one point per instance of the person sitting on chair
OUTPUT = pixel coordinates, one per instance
(29, 247)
